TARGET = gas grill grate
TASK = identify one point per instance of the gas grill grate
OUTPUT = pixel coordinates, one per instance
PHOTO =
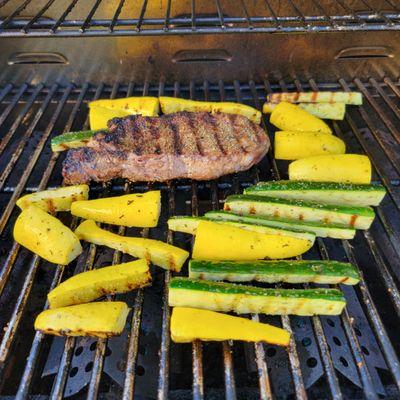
(353, 355)
(151, 17)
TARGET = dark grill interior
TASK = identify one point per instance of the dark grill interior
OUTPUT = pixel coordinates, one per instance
(99, 18)
(351, 356)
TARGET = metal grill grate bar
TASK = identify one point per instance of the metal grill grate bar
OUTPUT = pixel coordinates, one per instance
(292, 16)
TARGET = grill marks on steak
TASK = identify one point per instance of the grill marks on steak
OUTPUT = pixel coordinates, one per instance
(195, 145)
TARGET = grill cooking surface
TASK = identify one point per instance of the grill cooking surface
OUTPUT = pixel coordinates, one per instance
(353, 355)
(101, 18)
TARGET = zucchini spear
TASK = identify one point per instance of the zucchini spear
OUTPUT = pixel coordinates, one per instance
(304, 271)
(71, 140)
(241, 299)
(354, 98)
(350, 216)
(189, 324)
(320, 229)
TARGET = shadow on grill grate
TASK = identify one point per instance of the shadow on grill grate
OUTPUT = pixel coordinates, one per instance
(353, 355)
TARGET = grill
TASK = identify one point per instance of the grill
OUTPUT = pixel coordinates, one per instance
(198, 50)
(354, 355)
(61, 18)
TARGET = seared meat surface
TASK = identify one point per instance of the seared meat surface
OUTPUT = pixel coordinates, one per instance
(196, 145)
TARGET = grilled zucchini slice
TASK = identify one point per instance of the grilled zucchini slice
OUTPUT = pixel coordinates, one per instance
(101, 319)
(326, 192)
(46, 236)
(215, 241)
(241, 299)
(189, 324)
(137, 209)
(350, 216)
(171, 105)
(159, 253)
(354, 98)
(299, 271)
(71, 140)
(333, 231)
(55, 200)
(90, 285)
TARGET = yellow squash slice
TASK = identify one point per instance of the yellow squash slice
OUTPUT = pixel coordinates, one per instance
(101, 319)
(159, 253)
(345, 168)
(290, 145)
(139, 209)
(289, 117)
(216, 241)
(321, 110)
(171, 105)
(46, 236)
(189, 324)
(90, 285)
(55, 200)
(101, 111)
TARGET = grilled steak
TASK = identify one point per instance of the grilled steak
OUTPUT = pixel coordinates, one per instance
(196, 145)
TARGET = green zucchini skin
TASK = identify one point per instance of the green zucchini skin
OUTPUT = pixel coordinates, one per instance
(351, 216)
(303, 271)
(189, 225)
(333, 231)
(71, 140)
(326, 192)
(241, 299)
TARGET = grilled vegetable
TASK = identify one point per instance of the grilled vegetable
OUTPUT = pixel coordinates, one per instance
(101, 111)
(71, 140)
(351, 216)
(139, 209)
(289, 117)
(318, 228)
(162, 254)
(189, 324)
(101, 319)
(317, 97)
(144, 105)
(90, 285)
(342, 168)
(326, 192)
(55, 200)
(291, 145)
(321, 110)
(173, 104)
(329, 272)
(189, 225)
(241, 299)
(216, 241)
(46, 236)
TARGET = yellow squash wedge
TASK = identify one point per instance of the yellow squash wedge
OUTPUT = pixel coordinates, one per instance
(171, 105)
(159, 253)
(139, 209)
(289, 117)
(321, 110)
(189, 324)
(101, 319)
(216, 241)
(342, 168)
(291, 145)
(55, 200)
(101, 111)
(46, 236)
(90, 285)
